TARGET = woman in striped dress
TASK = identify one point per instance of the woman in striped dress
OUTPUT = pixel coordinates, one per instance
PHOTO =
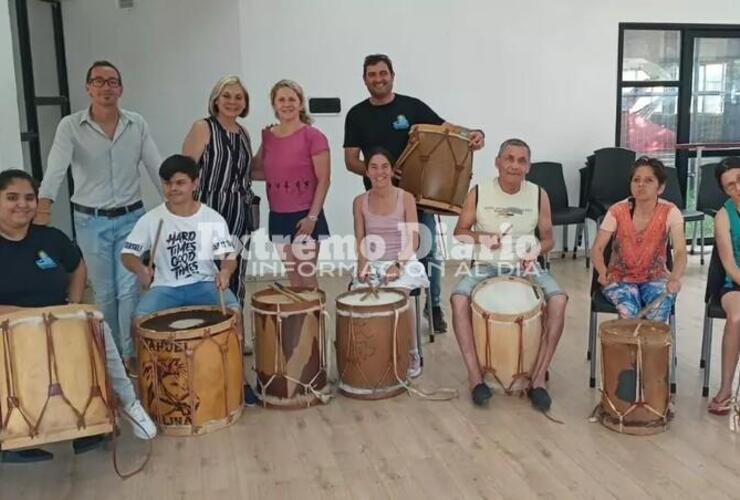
(222, 148)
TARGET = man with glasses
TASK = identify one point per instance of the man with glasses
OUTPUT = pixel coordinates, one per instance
(104, 145)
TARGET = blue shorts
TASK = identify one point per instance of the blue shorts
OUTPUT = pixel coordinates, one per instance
(202, 293)
(481, 272)
(282, 226)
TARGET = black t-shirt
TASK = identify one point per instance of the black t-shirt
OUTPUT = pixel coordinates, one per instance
(368, 126)
(35, 271)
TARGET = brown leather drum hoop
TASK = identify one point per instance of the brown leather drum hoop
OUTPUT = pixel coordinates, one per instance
(190, 369)
(436, 167)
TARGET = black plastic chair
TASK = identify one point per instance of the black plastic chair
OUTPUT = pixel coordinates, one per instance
(712, 310)
(610, 180)
(549, 176)
(710, 197)
(600, 304)
(673, 194)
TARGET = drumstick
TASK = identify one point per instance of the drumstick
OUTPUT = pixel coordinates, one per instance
(655, 303)
(287, 292)
(154, 246)
(221, 297)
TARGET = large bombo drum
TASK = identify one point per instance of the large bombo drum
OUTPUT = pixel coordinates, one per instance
(436, 167)
(190, 369)
(507, 328)
(53, 384)
(635, 362)
(372, 343)
(290, 347)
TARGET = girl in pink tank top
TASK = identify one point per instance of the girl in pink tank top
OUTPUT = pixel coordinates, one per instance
(386, 234)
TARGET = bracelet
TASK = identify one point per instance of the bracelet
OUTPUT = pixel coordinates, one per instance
(313, 218)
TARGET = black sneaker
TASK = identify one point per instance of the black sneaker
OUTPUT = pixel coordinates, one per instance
(26, 456)
(481, 394)
(250, 398)
(438, 320)
(540, 398)
(89, 443)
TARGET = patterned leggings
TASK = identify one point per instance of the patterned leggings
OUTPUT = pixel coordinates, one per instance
(629, 298)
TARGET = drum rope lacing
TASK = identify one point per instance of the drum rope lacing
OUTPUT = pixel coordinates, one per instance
(664, 417)
(95, 343)
(414, 142)
(279, 368)
(161, 389)
(438, 394)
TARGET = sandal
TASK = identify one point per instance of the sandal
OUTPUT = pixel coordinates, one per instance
(719, 407)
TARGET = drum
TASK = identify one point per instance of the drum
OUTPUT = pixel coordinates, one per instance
(635, 363)
(507, 329)
(436, 167)
(373, 343)
(190, 369)
(53, 383)
(290, 347)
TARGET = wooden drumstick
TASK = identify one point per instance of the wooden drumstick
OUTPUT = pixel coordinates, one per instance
(154, 247)
(655, 303)
(221, 297)
(287, 292)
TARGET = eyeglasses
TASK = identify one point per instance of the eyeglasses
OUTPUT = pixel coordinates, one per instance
(99, 82)
(647, 160)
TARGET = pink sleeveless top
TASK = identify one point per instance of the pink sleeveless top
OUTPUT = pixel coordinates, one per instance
(386, 228)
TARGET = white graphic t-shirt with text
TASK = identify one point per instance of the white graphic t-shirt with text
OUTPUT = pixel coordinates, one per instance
(187, 246)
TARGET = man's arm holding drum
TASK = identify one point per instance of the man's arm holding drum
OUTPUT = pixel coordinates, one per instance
(464, 228)
(77, 281)
(477, 137)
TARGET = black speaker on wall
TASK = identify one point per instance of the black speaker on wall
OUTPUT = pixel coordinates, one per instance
(324, 105)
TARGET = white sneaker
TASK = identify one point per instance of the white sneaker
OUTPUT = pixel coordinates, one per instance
(142, 424)
(414, 364)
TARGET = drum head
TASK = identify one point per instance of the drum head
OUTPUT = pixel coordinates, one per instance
(183, 320)
(505, 296)
(361, 298)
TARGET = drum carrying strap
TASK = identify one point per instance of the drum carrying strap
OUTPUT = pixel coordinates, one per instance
(664, 417)
(279, 370)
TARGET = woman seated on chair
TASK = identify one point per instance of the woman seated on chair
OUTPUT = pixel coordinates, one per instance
(639, 228)
(727, 239)
(42, 267)
(386, 231)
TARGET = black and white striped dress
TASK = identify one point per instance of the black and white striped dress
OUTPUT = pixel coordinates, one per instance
(225, 186)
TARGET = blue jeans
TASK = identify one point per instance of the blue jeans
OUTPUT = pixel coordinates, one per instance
(119, 381)
(433, 270)
(202, 293)
(116, 289)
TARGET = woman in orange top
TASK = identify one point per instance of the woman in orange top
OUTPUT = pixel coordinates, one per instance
(639, 228)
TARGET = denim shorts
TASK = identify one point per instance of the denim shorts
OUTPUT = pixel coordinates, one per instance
(481, 272)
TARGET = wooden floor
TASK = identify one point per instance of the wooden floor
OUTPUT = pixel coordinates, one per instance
(410, 448)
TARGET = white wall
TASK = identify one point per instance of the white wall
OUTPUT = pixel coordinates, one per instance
(11, 152)
(544, 71)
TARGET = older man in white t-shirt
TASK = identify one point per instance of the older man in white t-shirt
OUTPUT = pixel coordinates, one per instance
(191, 238)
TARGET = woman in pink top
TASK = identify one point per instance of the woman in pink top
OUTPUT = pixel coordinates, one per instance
(639, 228)
(387, 234)
(294, 161)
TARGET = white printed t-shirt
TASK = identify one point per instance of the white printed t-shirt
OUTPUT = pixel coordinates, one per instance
(187, 246)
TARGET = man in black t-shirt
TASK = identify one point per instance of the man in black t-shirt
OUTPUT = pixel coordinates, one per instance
(384, 119)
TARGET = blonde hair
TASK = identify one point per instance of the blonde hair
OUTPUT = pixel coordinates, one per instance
(290, 84)
(219, 87)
